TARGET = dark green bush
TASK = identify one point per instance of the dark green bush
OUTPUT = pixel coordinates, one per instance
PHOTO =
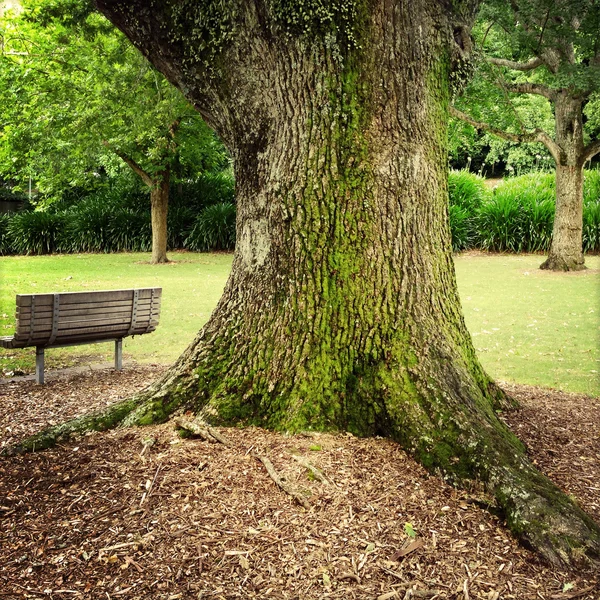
(591, 186)
(466, 190)
(180, 221)
(467, 193)
(461, 226)
(519, 215)
(36, 232)
(591, 227)
(129, 231)
(5, 245)
(214, 229)
(206, 190)
(88, 226)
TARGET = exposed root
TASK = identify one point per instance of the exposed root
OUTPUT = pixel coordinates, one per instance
(99, 421)
(556, 263)
(210, 434)
(545, 519)
(206, 432)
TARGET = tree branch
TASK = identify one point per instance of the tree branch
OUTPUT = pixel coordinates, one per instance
(535, 136)
(532, 88)
(534, 63)
(590, 151)
(132, 164)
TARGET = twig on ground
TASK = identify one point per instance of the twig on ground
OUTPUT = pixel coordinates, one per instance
(284, 486)
(317, 473)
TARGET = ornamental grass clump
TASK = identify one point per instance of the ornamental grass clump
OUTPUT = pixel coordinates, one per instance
(36, 232)
(519, 215)
(214, 229)
(5, 245)
(129, 231)
(467, 193)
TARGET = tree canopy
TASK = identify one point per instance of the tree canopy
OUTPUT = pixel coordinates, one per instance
(538, 82)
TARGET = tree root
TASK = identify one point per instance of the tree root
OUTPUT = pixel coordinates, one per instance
(282, 484)
(545, 519)
(199, 428)
(555, 263)
(99, 421)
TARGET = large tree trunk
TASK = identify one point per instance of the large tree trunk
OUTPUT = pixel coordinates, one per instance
(159, 203)
(566, 250)
(341, 311)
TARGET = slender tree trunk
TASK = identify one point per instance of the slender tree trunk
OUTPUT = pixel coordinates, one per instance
(341, 311)
(566, 250)
(159, 202)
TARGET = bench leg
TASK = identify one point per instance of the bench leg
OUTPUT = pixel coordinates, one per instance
(119, 355)
(39, 365)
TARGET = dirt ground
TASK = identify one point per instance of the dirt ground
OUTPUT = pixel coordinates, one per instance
(143, 513)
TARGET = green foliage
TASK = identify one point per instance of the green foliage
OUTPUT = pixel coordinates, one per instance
(5, 246)
(207, 189)
(461, 226)
(80, 104)
(467, 193)
(213, 229)
(591, 227)
(466, 190)
(36, 232)
(180, 221)
(519, 215)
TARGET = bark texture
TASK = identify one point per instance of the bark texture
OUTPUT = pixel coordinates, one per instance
(159, 203)
(566, 250)
(341, 311)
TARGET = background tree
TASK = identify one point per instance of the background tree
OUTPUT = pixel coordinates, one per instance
(77, 95)
(551, 50)
(341, 310)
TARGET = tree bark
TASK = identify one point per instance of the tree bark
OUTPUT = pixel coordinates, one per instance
(159, 203)
(566, 249)
(341, 311)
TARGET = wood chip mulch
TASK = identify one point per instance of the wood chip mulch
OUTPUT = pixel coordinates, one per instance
(144, 514)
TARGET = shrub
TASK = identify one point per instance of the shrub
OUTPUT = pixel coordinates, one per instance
(519, 215)
(5, 245)
(461, 226)
(36, 232)
(591, 227)
(129, 230)
(180, 220)
(88, 225)
(466, 190)
(208, 189)
(214, 229)
(591, 187)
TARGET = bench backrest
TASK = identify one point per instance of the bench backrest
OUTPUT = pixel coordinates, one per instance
(72, 317)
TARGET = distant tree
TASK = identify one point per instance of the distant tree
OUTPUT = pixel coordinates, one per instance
(76, 95)
(550, 50)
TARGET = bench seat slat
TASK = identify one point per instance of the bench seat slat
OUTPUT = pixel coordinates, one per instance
(80, 297)
(22, 311)
(25, 323)
(24, 330)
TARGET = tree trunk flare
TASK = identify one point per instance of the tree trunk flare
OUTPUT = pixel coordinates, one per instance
(341, 311)
(566, 249)
(159, 203)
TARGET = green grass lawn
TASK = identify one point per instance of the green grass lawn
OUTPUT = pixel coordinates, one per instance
(532, 326)
(529, 326)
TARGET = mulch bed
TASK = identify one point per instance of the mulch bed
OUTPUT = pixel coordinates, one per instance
(142, 513)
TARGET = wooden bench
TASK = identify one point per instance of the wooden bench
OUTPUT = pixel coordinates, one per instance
(73, 318)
